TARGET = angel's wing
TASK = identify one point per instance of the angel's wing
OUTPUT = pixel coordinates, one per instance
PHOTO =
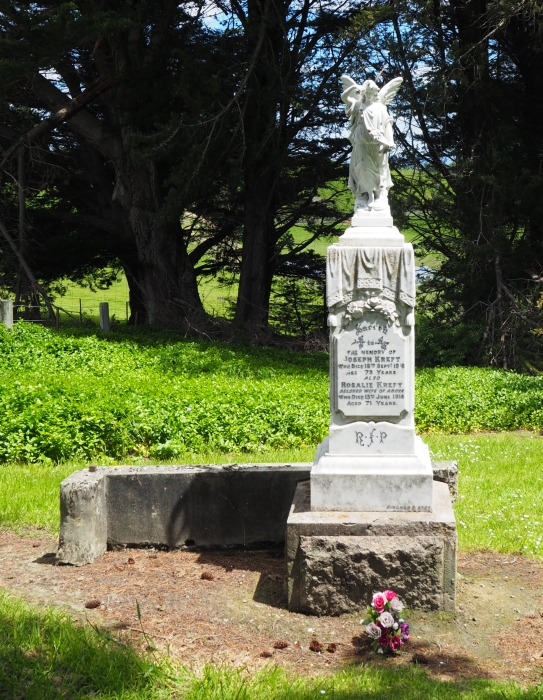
(348, 83)
(388, 92)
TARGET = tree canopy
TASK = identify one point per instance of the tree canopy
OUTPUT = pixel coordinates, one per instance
(182, 139)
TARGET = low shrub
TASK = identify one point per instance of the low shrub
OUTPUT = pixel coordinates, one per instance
(81, 395)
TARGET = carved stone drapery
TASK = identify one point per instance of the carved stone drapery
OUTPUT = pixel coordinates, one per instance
(353, 270)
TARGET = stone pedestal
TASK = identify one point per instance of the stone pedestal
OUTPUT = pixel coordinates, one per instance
(337, 560)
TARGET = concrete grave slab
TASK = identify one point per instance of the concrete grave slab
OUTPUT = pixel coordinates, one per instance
(231, 505)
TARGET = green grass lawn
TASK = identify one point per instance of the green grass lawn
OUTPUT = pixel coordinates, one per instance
(116, 296)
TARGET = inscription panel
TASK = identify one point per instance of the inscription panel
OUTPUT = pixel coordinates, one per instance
(371, 368)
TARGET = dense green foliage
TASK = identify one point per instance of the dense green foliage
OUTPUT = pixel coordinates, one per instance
(231, 161)
(469, 180)
(75, 394)
(219, 118)
(471, 399)
(79, 395)
(45, 656)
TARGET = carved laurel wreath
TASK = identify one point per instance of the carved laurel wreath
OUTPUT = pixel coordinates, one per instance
(385, 307)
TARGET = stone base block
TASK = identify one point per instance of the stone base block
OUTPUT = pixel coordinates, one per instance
(336, 561)
(377, 233)
(374, 482)
(372, 219)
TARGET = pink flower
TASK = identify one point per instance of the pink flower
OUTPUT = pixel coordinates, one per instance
(379, 602)
(389, 595)
(394, 643)
(396, 605)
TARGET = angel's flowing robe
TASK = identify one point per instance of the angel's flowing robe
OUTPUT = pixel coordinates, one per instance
(371, 129)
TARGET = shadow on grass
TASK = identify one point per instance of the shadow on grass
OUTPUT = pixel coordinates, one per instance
(44, 655)
(361, 683)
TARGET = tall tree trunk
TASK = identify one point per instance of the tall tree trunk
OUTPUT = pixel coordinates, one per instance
(262, 162)
(20, 285)
(258, 260)
(165, 276)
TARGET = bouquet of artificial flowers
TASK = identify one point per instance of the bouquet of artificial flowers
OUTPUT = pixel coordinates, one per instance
(387, 630)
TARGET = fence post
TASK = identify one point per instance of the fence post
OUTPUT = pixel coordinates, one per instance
(80, 313)
(6, 312)
(57, 319)
(104, 316)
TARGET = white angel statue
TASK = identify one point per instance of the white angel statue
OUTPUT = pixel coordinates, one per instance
(372, 138)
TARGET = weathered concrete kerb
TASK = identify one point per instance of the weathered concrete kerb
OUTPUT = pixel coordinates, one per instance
(209, 506)
(232, 505)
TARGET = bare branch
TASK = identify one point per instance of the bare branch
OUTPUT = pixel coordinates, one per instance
(61, 115)
(33, 281)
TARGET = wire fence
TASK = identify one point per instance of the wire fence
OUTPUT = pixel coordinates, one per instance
(86, 309)
(74, 309)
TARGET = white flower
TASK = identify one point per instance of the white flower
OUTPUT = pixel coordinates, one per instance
(380, 650)
(401, 620)
(396, 605)
(386, 619)
(373, 631)
(395, 626)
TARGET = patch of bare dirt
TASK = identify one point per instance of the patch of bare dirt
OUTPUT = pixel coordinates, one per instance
(229, 607)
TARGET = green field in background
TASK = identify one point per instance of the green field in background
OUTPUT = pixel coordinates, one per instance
(116, 296)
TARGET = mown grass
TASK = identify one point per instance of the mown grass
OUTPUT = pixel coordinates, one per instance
(45, 656)
(500, 503)
(500, 506)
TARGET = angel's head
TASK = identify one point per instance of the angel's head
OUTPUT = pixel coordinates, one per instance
(371, 90)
